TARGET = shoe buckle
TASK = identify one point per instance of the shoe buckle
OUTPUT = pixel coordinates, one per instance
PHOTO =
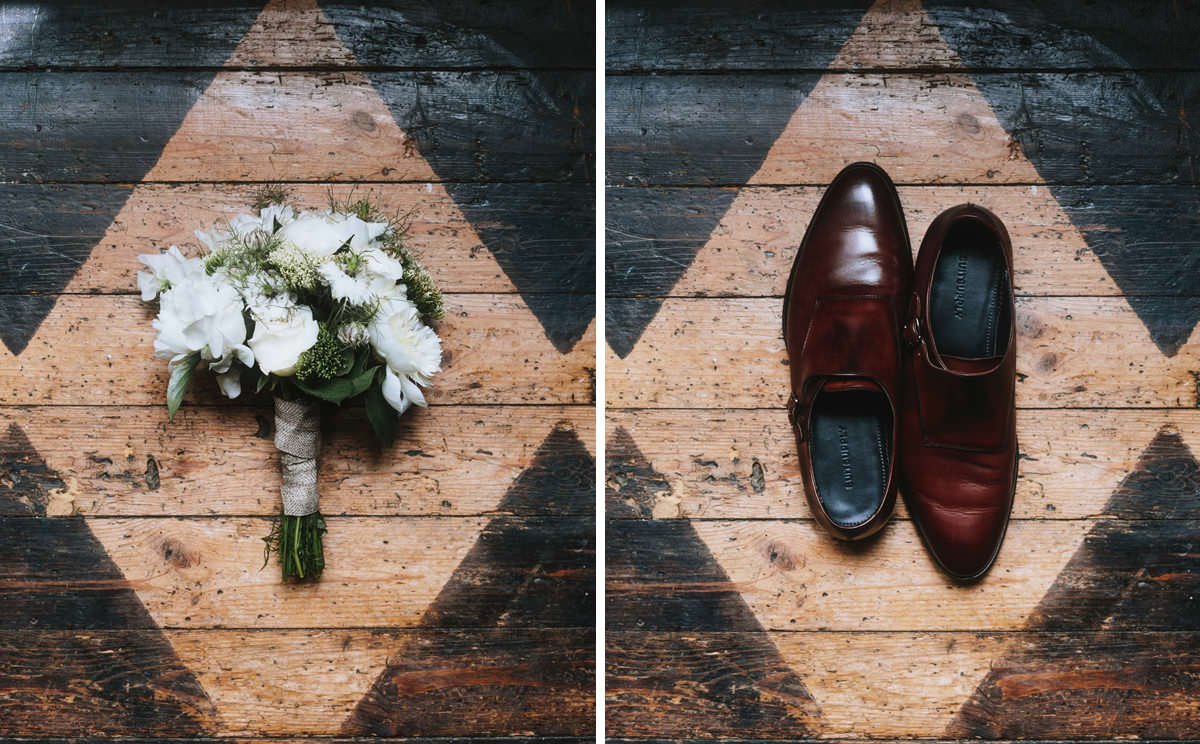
(912, 332)
(793, 409)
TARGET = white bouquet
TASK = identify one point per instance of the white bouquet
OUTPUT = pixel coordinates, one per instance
(313, 307)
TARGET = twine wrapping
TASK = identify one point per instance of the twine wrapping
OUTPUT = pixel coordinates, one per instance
(298, 438)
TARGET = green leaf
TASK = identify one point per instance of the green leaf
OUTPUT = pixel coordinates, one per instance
(275, 227)
(384, 419)
(261, 382)
(339, 389)
(181, 377)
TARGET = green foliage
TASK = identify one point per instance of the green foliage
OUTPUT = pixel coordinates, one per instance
(297, 542)
(353, 382)
(383, 418)
(324, 360)
(268, 194)
(181, 377)
(422, 292)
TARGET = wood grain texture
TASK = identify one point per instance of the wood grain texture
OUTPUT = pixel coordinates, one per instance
(722, 464)
(915, 682)
(98, 350)
(52, 230)
(754, 238)
(1003, 34)
(655, 136)
(129, 461)
(304, 683)
(199, 573)
(1071, 352)
(794, 577)
(397, 34)
(100, 126)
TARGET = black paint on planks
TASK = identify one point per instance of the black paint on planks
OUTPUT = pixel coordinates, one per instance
(1062, 34)
(522, 573)
(520, 34)
(1136, 571)
(722, 676)
(87, 127)
(25, 481)
(124, 33)
(534, 123)
(720, 35)
(542, 237)
(80, 650)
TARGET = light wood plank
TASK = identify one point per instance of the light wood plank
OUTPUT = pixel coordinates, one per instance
(99, 350)
(795, 577)
(127, 461)
(1072, 352)
(1071, 460)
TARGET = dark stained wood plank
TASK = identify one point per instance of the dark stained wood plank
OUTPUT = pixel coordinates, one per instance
(471, 682)
(913, 684)
(123, 683)
(1142, 685)
(996, 34)
(692, 129)
(726, 685)
(402, 33)
(110, 127)
(257, 688)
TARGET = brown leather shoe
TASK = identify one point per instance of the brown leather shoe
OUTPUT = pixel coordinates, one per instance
(842, 314)
(958, 440)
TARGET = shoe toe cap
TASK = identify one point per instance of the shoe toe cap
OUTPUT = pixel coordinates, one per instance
(964, 540)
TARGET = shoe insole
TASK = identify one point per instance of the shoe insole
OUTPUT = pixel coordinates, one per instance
(968, 304)
(850, 446)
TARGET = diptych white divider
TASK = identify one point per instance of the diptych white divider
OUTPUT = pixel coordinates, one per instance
(924, 130)
(266, 126)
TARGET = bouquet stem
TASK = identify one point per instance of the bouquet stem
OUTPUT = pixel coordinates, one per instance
(297, 535)
(298, 543)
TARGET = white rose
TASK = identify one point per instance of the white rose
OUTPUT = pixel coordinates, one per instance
(203, 315)
(283, 331)
(360, 231)
(412, 351)
(317, 235)
(166, 269)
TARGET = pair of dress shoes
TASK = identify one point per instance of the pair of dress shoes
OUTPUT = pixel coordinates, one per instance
(902, 378)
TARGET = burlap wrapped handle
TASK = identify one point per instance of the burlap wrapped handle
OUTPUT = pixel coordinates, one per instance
(298, 438)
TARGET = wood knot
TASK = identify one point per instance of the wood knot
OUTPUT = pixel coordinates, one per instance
(363, 121)
(177, 554)
(782, 557)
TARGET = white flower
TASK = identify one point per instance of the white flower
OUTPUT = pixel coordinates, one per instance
(166, 270)
(352, 289)
(317, 235)
(203, 315)
(283, 331)
(361, 232)
(381, 265)
(410, 348)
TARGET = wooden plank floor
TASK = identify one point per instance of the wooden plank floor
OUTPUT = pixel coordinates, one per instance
(731, 615)
(459, 597)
